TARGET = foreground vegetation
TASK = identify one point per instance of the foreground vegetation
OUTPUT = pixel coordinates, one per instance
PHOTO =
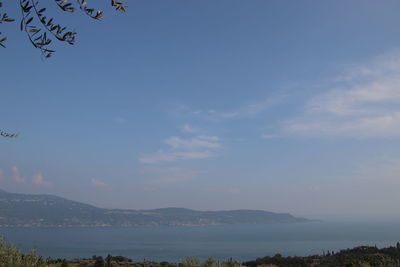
(12, 257)
(363, 256)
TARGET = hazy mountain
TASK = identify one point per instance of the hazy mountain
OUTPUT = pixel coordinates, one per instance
(49, 210)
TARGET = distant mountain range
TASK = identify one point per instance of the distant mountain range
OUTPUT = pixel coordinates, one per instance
(48, 210)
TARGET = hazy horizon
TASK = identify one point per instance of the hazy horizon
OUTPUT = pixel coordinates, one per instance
(212, 105)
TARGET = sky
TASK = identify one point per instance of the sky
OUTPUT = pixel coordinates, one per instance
(286, 106)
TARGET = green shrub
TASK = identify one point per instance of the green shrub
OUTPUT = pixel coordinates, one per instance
(13, 257)
(190, 262)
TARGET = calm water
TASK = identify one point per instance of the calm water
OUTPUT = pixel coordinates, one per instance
(241, 242)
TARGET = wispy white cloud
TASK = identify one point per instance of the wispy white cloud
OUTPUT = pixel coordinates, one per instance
(168, 156)
(385, 64)
(98, 183)
(198, 142)
(17, 178)
(189, 129)
(270, 136)
(38, 179)
(245, 111)
(16, 175)
(365, 102)
(198, 147)
(162, 176)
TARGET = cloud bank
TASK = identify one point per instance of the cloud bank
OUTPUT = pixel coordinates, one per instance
(364, 103)
(15, 177)
(198, 147)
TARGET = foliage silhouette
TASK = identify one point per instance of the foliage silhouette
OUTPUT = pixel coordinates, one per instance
(41, 29)
(7, 134)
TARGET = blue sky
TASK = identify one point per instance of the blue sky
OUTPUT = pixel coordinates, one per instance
(289, 106)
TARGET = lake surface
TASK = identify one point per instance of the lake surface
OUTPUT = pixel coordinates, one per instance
(163, 243)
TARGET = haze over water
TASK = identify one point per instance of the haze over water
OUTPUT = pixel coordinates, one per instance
(240, 242)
